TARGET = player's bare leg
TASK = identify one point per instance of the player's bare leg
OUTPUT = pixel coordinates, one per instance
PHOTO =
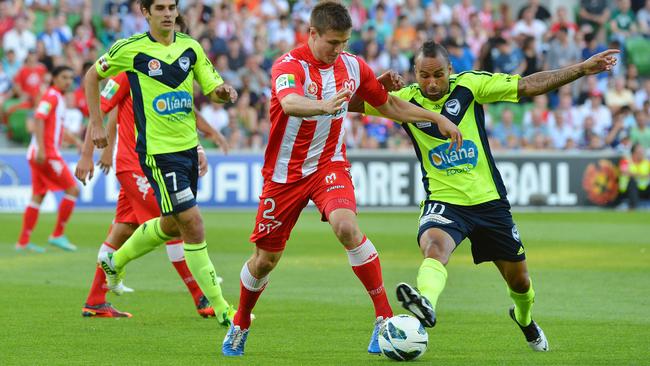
(520, 289)
(30, 217)
(58, 239)
(254, 277)
(189, 226)
(364, 259)
(436, 246)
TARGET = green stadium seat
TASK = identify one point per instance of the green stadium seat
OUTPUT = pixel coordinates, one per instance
(18, 126)
(638, 53)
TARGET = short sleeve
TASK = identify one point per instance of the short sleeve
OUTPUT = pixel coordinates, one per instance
(370, 89)
(115, 90)
(204, 73)
(45, 107)
(118, 58)
(287, 77)
(490, 88)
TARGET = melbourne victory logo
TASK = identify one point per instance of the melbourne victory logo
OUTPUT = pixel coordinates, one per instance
(455, 161)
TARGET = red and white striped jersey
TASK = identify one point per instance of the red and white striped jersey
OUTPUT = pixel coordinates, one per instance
(299, 146)
(50, 111)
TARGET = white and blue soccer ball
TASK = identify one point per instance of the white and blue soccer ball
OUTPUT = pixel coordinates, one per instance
(403, 338)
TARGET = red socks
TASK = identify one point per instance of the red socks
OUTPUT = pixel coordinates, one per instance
(29, 221)
(98, 289)
(65, 210)
(250, 290)
(177, 257)
(364, 260)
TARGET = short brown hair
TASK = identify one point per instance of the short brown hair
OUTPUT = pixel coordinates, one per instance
(330, 15)
(146, 4)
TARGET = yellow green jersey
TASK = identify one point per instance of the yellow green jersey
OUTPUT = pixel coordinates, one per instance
(162, 82)
(468, 176)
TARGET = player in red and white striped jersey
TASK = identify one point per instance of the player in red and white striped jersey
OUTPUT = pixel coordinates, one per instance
(305, 159)
(136, 203)
(49, 171)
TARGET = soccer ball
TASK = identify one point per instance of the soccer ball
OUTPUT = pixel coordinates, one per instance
(403, 338)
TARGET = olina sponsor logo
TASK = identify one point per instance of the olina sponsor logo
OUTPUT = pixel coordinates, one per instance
(173, 102)
(464, 159)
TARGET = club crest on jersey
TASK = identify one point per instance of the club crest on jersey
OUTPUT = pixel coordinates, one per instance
(452, 107)
(463, 160)
(154, 67)
(350, 84)
(184, 63)
(312, 89)
(44, 108)
(173, 102)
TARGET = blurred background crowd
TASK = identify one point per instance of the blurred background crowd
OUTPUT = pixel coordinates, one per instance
(243, 38)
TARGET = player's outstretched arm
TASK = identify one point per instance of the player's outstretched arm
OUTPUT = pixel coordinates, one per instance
(299, 106)
(91, 86)
(401, 110)
(390, 79)
(544, 81)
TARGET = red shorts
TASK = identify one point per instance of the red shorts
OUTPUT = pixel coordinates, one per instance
(281, 204)
(137, 202)
(52, 175)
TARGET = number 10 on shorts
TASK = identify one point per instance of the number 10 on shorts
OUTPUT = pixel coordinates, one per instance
(268, 215)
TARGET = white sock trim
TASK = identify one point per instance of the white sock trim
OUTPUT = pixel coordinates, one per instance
(362, 254)
(104, 249)
(251, 283)
(175, 252)
(70, 198)
(35, 205)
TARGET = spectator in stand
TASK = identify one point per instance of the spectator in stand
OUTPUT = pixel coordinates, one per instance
(79, 93)
(394, 60)
(412, 12)
(642, 95)
(562, 20)
(5, 89)
(377, 130)
(383, 29)
(643, 20)
(529, 26)
(19, 39)
(29, 82)
(540, 105)
(359, 15)
(540, 12)
(439, 12)
(505, 23)
(506, 129)
(461, 12)
(532, 61)
(11, 64)
(405, 35)
(506, 57)
(623, 23)
(215, 115)
(588, 138)
(597, 112)
(562, 51)
(570, 114)
(485, 16)
(561, 132)
(7, 16)
(537, 135)
(592, 47)
(460, 56)
(617, 132)
(134, 22)
(640, 134)
(117, 8)
(594, 13)
(53, 40)
(84, 41)
(477, 35)
(618, 96)
(634, 181)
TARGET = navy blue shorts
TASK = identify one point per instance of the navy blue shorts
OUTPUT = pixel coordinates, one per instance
(489, 227)
(174, 179)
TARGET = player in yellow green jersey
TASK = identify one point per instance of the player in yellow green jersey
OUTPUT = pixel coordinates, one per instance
(161, 66)
(466, 197)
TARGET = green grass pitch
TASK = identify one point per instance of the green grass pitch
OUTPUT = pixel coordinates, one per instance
(591, 273)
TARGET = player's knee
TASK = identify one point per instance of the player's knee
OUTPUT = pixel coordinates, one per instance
(346, 231)
(73, 191)
(433, 246)
(263, 264)
(519, 283)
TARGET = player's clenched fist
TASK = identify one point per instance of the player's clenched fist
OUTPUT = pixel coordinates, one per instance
(226, 93)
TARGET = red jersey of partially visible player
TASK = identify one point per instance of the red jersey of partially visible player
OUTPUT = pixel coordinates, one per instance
(82, 103)
(117, 93)
(30, 79)
(300, 146)
(51, 111)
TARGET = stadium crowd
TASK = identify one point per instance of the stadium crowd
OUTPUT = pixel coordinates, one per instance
(243, 38)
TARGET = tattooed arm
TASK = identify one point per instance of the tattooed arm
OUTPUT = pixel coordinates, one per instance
(545, 81)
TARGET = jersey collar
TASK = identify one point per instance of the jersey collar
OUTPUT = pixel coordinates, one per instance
(154, 40)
